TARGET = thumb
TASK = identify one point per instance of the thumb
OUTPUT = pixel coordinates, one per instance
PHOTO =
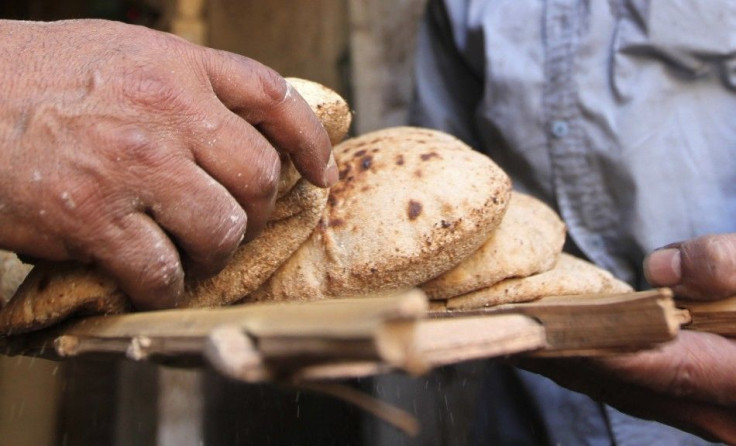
(701, 268)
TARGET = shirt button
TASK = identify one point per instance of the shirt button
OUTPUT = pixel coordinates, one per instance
(731, 73)
(560, 128)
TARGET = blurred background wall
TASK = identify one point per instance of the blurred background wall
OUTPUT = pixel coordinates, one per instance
(361, 48)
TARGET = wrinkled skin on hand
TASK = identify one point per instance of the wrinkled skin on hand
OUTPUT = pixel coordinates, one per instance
(140, 152)
(690, 382)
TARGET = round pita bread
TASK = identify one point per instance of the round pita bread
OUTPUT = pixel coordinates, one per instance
(53, 291)
(411, 204)
(255, 261)
(331, 109)
(528, 241)
(570, 276)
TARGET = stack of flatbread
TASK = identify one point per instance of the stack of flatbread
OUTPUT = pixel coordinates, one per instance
(520, 262)
(414, 208)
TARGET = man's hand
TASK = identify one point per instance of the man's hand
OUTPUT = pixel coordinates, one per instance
(703, 268)
(689, 383)
(127, 147)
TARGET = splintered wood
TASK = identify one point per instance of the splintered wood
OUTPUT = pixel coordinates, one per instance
(325, 339)
(595, 324)
(362, 336)
(714, 317)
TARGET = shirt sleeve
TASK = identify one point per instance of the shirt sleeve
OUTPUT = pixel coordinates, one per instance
(447, 90)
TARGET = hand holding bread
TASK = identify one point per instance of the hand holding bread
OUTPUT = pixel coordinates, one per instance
(413, 208)
(142, 153)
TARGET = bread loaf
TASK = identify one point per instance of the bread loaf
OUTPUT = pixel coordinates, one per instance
(411, 204)
(570, 276)
(528, 241)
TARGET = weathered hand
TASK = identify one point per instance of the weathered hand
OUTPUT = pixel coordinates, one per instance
(129, 148)
(701, 268)
(689, 383)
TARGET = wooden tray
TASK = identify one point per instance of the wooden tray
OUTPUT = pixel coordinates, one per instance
(363, 336)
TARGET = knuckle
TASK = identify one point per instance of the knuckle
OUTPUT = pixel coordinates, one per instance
(270, 172)
(134, 142)
(135, 146)
(721, 253)
(684, 377)
(274, 87)
(151, 88)
(81, 212)
(160, 270)
(713, 258)
(213, 129)
(80, 198)
(225, 235)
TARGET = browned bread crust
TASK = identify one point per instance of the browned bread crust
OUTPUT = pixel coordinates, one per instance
(411, 204)
(528, 241)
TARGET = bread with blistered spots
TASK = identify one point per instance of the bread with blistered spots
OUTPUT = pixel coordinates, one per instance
(411, 204)
(528, 241)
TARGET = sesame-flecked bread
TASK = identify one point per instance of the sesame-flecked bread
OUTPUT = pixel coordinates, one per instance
(331, 109)
(570, 276)
(411, 204)
(293, 220)
(53, 291)
(528, 241)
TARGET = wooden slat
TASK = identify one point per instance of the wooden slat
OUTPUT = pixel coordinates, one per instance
(362, 313)
(596, 324)
(714, 317)
(353, 329)
(447, 341)
(434, 343)
(363, 336)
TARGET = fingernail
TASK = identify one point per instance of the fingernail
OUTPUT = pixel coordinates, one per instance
(663, 267)
(331, 173)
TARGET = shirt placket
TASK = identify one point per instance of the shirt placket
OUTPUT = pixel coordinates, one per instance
(580, 193)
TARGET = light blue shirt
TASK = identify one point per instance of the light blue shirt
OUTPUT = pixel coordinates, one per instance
(622, 114)
(619, 113)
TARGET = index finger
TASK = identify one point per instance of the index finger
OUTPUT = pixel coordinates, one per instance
(268, 102)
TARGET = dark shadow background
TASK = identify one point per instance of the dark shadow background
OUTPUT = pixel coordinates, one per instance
(130, 11)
